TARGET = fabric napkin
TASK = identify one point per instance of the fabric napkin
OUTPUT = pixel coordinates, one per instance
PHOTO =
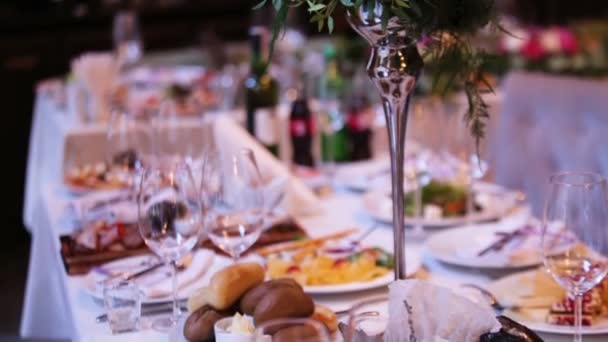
(116, 205)
(98, 74)
(159, 284)
(424, 312)
(230, 138)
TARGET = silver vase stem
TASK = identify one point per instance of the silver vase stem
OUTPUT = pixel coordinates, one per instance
(389, 71)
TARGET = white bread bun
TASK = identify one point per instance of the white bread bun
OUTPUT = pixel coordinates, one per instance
(227, 286)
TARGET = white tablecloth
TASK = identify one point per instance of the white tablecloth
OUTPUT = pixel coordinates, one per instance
(57, 307)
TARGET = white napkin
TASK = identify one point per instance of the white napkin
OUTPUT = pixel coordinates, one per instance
(98, 74)
(230, 138)
(424, 312)
(111, 205)
(159, 284)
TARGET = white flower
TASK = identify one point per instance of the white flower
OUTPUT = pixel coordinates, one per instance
(550, 41)
(514, 42)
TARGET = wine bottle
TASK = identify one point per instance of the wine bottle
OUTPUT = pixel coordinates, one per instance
(261, 95)
(334, 139)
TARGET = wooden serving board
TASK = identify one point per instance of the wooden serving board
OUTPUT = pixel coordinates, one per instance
(78, 261)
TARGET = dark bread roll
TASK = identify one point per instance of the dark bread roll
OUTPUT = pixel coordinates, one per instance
(296, 333)
(283, 302)
(251, 299)
(199, 325)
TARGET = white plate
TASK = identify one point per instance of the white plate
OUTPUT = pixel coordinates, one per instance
(413, 263)
(496, 203)
(513, 285)
(459, 246)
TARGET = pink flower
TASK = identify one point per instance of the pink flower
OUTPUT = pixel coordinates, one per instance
(568, 41)
(533, 48)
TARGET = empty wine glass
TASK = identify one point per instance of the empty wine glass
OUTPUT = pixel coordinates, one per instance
(292, 330)
(170, 219)
(232, 199)
(576, 213)
(127, 38)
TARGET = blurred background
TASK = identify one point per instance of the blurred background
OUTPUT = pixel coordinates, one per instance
(40, 38)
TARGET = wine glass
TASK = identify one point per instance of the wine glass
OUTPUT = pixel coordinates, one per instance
(127, 38)
(232, 200)
(170, 218)
(367, 320)
(576, 213)
(292, 330)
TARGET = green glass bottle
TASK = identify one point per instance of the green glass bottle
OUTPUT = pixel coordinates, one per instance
(334, 135)
(261, 96)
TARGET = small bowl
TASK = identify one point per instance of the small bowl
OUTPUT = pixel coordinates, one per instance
(222, 335)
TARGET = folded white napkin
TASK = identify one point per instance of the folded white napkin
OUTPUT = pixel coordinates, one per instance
(116, 205)
(159, 284)
(424, 312)
(97, 72)
(230, 137)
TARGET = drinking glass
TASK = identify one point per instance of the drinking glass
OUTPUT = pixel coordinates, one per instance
(232, 200)
(127, 38)
(367, 320)
(122, 302)
(126, 140)
(576, 211)
(170, 218)
(292, 330)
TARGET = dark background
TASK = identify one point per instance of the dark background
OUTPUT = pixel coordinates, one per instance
(38, 38)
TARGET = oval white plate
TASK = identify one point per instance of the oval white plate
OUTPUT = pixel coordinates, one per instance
(379, 206)
(459, 246)
(413, 263)
(508, 286)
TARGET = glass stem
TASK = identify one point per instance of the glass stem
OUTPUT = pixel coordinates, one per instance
(470, 202)
(578, 317)
(176, 310)
(418, 206)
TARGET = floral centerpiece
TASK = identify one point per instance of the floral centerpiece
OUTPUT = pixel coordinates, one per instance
(580, 51)
(393, 29)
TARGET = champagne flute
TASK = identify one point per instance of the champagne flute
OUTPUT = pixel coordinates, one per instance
(576, 212)
(292, 330)
(170, 219)
(232, 199)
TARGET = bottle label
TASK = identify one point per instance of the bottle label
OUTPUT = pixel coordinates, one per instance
(301, 127)
(266, 129)
(360, 121)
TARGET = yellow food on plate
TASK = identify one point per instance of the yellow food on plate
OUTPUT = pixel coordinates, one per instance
(322, 269)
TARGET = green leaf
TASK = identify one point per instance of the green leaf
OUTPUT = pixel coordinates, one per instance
(320, 25)
(371, 5)
(416, 8)
(347, 3)
(260, 5)
(330, 24)
(276, 29)
(358, 3)
(277, 4)
(316, 7)
(402, 3)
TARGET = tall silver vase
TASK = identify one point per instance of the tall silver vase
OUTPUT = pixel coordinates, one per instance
(394, 65)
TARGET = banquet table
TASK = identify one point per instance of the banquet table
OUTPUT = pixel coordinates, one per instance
(56, 306)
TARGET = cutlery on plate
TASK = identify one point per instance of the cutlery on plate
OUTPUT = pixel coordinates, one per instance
(183, 263)
(523, 303)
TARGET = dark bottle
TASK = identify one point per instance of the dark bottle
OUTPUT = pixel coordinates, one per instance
(261, 96)
(359, 123)
(301, 130)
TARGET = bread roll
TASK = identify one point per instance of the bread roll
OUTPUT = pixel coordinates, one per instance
(283, 302)
(251, 299)
(199, 325)
(326, 316)
(229, 284)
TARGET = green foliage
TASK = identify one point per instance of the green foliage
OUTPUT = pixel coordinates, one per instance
(446, 23)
